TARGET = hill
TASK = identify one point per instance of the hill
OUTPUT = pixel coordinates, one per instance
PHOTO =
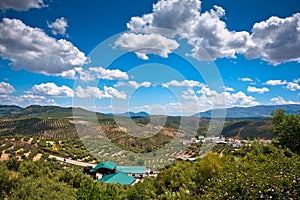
(249, 112)
(248, 128)
(6, 110)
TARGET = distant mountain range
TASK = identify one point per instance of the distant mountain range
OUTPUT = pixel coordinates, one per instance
(56, 111)
(249, 112)
(130, 114)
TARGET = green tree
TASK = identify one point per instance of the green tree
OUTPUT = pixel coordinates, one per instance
(13, 163)
(287, 129)
(5, 181)
(89, 190)
(42, 187)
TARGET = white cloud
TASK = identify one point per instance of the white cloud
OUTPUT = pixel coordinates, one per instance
(51, 89)
(137, 85)
(293, 86)
(189, 94)
(143, 44)
(93, 73)
(225, 99)
(246, 79)
(31, 49)
(207, 99)
(276, 82)
(281, 101)
(35, 99)
(59, 26)
(276, 40)
(257, 90)
(201, 29)
(94, 92)
(26, 99)
(211, 36)
(21, 5)
(113, 93)
(229, 89)
(184, 83)
(120, 84)
(88, 92)
(6, 88)
(70, 74)
(297, 80)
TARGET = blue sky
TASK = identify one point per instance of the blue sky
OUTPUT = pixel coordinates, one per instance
(163, 57)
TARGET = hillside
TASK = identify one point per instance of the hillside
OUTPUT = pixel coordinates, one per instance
(249, 112)
(248, 129)
(6, 110)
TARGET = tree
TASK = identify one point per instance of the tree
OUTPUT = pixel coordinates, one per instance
(5, 181)
(13, 163)
(287, 129)
(41, 188)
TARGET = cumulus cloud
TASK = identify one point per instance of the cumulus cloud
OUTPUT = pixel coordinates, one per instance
(94, 92)
(225, 99)
(281, 101)
(257, 90)
(137, 85)
(205, 31)
(276, 40)
(208, 99)
(51, 89)
(189, 94)
(184, 83)
(210, 33)
(246, 79)
(94, 73)
(6, 89)
(293, 86)
(143, 44)
(31, 49)
(276, 82)
(229, 89)
(59, 26)
(21, 5)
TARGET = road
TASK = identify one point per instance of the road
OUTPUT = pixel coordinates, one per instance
(73, 162)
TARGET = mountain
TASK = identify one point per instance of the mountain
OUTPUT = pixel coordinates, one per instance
(249, 112)
(130, 114)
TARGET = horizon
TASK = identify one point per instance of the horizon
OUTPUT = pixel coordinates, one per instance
(157, 114)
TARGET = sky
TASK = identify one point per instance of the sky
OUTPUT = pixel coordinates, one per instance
(175, 57)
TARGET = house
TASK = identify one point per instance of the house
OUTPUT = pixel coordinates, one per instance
(109, 172)
(102, 169)
(118, 177)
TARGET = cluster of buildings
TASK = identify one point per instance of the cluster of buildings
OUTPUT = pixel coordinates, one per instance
(220, 140)
(110, 172)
